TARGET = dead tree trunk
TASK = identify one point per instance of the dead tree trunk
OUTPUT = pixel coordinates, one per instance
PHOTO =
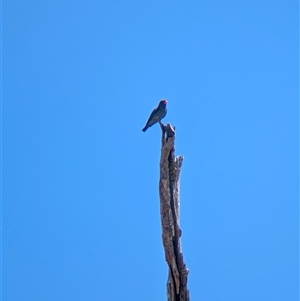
(170, 167)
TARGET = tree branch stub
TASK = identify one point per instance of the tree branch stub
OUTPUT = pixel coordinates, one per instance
(170, 167)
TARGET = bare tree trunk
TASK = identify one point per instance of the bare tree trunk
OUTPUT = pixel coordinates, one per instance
(170, 167)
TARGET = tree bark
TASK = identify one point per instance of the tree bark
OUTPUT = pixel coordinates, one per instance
(170, 167)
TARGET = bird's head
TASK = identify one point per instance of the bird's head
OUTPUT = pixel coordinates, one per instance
(163, 103)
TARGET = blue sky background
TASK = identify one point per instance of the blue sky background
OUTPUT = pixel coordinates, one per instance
(80, 207)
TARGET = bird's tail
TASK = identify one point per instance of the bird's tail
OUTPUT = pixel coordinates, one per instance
(145, 129)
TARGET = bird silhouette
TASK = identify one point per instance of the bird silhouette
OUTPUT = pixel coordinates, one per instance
(157, 114)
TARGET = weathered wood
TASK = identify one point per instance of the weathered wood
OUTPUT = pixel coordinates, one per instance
(170, 167)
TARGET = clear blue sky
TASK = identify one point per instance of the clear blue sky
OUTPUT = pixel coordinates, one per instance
(80, 207)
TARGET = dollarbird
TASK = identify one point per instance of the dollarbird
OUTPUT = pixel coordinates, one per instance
(157, 115)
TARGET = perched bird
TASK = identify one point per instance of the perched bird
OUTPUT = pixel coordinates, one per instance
(157, 114)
